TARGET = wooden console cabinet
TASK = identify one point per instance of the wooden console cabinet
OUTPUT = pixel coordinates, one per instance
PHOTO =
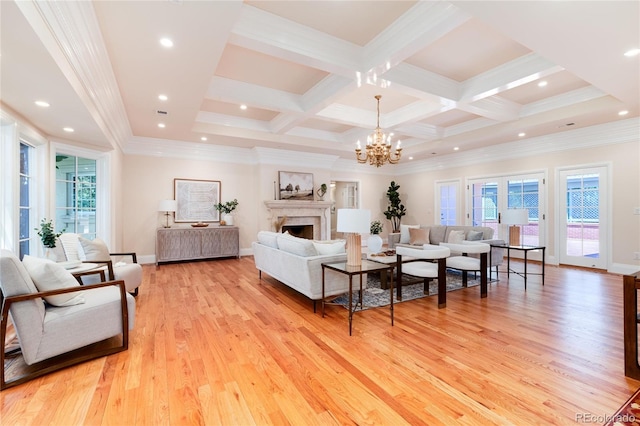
(174, 244)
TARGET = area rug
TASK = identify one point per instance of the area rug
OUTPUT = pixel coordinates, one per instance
(628, 414)
(374, 296)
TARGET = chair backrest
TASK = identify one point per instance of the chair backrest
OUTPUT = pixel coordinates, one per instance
(27, 316)
(70, 244)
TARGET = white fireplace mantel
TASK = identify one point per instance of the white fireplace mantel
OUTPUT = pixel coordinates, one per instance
(316, 213)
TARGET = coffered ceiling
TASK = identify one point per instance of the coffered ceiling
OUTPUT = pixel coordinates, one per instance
(455, 75)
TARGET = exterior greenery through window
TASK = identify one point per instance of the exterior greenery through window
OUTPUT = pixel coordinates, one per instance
(27, 198)
(76, 195)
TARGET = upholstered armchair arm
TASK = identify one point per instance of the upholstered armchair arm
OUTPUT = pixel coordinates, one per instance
(134, 257)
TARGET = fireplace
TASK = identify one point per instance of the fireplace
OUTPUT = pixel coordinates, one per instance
(302, 231)
(313, 214)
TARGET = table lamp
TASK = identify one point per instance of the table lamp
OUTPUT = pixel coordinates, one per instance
(167, 206)
(515, 217)
(353, 222)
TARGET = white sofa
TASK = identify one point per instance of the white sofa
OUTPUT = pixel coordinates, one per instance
(297, 263)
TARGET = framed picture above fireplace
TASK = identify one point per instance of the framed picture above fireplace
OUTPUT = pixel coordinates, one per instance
(296, 186)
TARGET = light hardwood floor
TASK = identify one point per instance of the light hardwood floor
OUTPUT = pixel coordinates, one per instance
(213, 344)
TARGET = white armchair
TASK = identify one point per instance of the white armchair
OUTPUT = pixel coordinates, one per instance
(54, 333)
(77, 248)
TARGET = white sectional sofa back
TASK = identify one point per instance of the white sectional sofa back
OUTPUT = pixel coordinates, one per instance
(297, 262)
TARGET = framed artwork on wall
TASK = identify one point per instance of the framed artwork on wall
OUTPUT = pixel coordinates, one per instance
(196, 200)
(296, 186)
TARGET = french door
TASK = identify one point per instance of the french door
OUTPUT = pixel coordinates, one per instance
(489, 198)
(583, 219)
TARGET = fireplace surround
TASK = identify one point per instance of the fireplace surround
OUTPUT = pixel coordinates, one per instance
(299, 213)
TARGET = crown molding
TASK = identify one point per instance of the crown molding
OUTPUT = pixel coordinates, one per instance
(623, 131)
(71, 34)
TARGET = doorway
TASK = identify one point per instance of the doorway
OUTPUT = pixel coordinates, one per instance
(344, 195)
(583, 218)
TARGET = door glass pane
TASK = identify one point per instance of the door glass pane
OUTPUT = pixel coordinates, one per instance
(484, 209)
(448, 206)
(583, 221)
(525, 194)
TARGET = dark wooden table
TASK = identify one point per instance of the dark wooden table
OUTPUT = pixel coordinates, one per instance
(366, 266)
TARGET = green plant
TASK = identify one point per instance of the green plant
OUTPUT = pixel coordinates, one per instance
(376, 227)
(227, 207)
(395, 209)
(47, 234)
(322, 190)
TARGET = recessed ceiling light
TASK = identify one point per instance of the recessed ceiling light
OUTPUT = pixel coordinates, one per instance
(68, 129)
(204, 138)
(166, 42)
(161, 125)
(623, 112)
(456, 148)
(632, 52)
(410, 158)
(163, 97)
(42, 104)
(542, 83)
(522, 134)
(243, 107)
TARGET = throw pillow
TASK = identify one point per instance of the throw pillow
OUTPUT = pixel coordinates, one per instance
(475, 235)
(95, 250)
(268, 238)
(330, 247)
(298, 246)
(404, 233)
(456, 237)
(48, 275)
(418, 236)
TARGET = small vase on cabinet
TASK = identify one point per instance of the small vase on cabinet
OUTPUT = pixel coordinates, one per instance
(228, 219)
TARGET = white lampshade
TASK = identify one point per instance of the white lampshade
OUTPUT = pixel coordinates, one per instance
(515, 217)
(353, 220)
(167, 206)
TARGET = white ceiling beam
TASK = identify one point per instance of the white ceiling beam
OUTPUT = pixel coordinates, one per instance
(522, 70)
(418, 27)
(495, 108)
(273, 35)
(227, 90)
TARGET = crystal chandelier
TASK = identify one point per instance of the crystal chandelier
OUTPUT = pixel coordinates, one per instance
(378, 149)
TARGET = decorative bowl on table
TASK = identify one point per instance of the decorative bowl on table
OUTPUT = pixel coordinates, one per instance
(199, 225)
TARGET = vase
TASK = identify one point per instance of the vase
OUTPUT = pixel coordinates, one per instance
(228, 219)
(374, 243)
(49, 253)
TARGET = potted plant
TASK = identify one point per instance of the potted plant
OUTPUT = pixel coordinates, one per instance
(374, 243)
(395, 209)
(48, 236)
(225, 210)
(321, 191)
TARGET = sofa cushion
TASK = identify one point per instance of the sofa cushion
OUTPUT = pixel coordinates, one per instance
(268, 238)
(95, 250)
(298, 246)
(48, 275)
(437, 234)
(475, 235)
(456, 237)
(330, 246)
(404, 233)
(419, 236)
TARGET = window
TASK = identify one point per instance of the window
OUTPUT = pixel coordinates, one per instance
(76, 195)
(27, 199)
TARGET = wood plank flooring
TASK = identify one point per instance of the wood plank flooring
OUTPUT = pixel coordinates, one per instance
(214, 345)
